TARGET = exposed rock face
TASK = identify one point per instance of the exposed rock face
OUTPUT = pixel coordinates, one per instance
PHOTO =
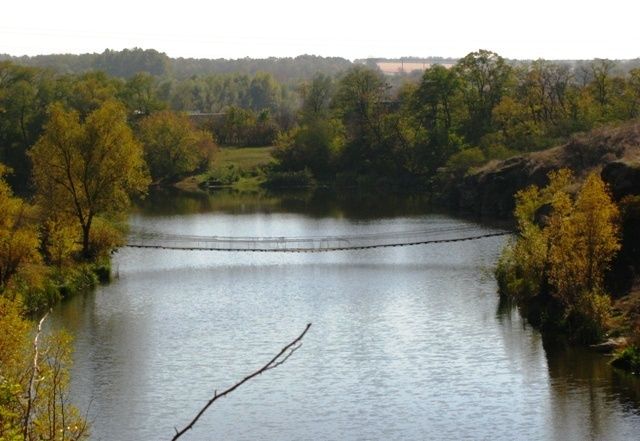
(490, 190)
(623, 177)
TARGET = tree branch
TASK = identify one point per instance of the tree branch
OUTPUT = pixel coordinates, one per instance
(34, 373)
(276, 361)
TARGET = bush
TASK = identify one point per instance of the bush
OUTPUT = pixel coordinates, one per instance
(462, 161)
(291, 179)
(105, 237)
(628, 359)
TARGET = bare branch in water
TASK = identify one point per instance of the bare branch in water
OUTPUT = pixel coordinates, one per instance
(276, 361)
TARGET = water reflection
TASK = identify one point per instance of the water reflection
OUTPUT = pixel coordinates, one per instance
(583, 387)
(317, 203)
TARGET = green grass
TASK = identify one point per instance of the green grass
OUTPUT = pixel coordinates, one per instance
(239, 165)
(245, 158)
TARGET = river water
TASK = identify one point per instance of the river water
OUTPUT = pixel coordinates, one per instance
(406, 344)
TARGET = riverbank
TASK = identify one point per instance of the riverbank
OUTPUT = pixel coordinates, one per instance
(239, 168)
(58, 284)
(611, 152)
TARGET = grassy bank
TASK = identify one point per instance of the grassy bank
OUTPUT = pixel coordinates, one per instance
(239, 168)
(57, 284)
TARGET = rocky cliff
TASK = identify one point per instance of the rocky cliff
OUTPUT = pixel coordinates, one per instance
(489, 191)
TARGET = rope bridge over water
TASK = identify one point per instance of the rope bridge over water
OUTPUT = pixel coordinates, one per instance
(309, 244)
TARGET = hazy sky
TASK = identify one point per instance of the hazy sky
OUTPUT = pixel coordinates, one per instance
(352, 29)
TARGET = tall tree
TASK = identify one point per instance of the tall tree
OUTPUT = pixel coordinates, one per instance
(88, 168)
(316, 98)
(484, 78)
(361, 102)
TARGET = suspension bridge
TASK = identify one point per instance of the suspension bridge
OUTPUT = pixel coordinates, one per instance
(309, 244)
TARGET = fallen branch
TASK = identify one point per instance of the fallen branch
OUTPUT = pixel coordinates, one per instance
(276, 361)
(34, 373)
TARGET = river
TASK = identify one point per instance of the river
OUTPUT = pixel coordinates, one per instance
(407, 343)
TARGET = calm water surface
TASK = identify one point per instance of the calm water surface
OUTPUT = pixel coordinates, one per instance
(406, 344)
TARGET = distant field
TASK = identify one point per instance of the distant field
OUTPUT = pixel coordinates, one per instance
(393, 67)
(245, 158)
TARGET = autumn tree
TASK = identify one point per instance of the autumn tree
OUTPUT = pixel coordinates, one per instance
(584, 237)
(555, 269)
(18, 234)
(34, 380)
(173, 147)
(88, 168)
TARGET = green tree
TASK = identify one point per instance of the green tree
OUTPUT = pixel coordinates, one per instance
(140, 95)
(90, 168)
(313, 146)
(173, 147)
(484, 78)
(361, 102)
(18, 235)
(316, 98)
(264, 92)
(433, 107)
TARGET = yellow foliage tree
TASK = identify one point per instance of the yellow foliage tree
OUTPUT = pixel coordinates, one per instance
(88, 168)
(18, 234)
(34, 377)
(567, 253)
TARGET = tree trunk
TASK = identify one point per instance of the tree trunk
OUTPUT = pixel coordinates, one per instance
(86, 229)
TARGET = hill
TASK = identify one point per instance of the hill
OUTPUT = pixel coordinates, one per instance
(615, 151)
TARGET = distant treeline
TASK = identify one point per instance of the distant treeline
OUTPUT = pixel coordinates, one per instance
(331, 119)
(365, 128)
(128, 62)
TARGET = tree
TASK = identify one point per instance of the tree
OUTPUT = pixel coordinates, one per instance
(172, 146)
(601, 71)
(484, 77)
(140, 95)
(559, 261)
(432, 106)
(23, 99)
(34, 379)
(316, 98)
(585, 240)
(361, 102)
(18, 234)
(433, 100)
(89, 91)
(264, 92)
(87, 169)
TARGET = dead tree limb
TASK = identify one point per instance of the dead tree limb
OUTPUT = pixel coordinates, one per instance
(32, 378)
(276, 361)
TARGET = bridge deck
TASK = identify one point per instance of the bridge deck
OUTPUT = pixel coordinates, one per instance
(309, 244)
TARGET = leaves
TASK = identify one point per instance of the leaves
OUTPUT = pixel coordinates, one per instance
(90, 168)
(564, 253)
(172, 146)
